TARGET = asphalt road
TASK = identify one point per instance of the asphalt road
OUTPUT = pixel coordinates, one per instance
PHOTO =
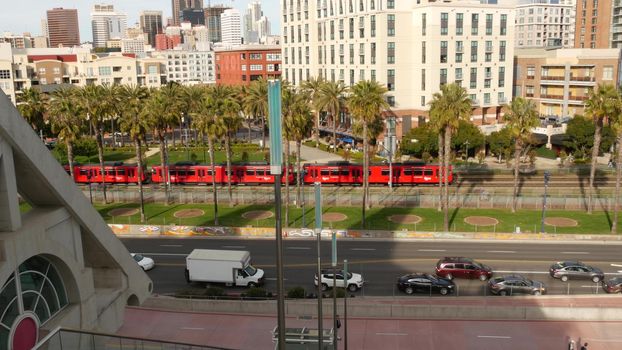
(382, 262)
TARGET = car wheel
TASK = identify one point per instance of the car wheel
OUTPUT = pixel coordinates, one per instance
(353, 288)
(444, 291)
(252, 285)
(449, 276)
(483, 277)
(324, 287)
(564, 278)
(503, 293)
(537, 292)
(409, 290)
(595, 279)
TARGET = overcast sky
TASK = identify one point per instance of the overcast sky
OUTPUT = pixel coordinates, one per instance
(20, 16)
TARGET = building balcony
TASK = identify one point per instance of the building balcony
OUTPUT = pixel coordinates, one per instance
(552, 77)
(589, 79)
(551, 97)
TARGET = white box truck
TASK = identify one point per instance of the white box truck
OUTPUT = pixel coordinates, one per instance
(232, 267)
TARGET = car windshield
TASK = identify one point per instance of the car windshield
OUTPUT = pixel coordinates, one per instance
(138, 257)
(250, 270)
(616, 280)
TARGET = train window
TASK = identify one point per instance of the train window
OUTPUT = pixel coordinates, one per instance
(209, 173)
(334, 172)
(191, 173)
(385, 172)
(250, 172)
(84, 172)
(428, 172)
(345, 172)
(120, 171)
(419, 172)
(109, 172)
(261, 172)
(408, 171)
(325, 173)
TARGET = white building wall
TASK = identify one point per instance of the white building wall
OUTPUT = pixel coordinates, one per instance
(538, 23)
(189, 67)
(231, 27)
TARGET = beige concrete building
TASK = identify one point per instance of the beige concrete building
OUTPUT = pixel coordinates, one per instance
(411, 46)
(559, 81)
(545, 23)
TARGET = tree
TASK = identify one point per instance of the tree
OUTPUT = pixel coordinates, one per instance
(500, 142)
(600, 105)
(134, 122)
(366, 102)
(447, 108)
(580, 137)
(420, 140)
(66, 117)
(521, 116)
(190, 100)
(32, 105)
(111, 97)
(468, 137)
(332, 99)
(312, 88)
(255, 103)
(299, 126)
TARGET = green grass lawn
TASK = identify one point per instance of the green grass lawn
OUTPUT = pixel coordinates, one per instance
(377, 218)
(109, 156)
(202, 156)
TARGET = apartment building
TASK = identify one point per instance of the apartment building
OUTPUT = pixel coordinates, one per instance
(242, 64)
(411, 46)
(189, 67)
(559, 81)
(545, 23)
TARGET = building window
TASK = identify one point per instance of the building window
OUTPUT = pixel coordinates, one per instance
(608, 73)
(459, 23)
(361, 27)
(473, 51)
(391, 25)
(423, 23)
(105, 71)
(243, 68)
(443, 76)
(458, 74)
(443, 52)
(501, 77)
(5, 74)
(256, 67)
(502, 51)
(487, 98)
(362, 53)
(531, 72)
(489, 24)
(391, 53)
(351, 28)
(373, 53)
(391, 79)
(423, 54)
(423, 80)
(373, 26)
(529, 90)
(390, 4)
(474, 23)
(504, 24)
(473, 81)
(391, 101)
(444, 24)
(351, 53)
(373, 75)
(351, 77)
(500, 98)
(422, 101)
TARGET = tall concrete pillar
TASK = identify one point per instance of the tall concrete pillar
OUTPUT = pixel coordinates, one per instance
(10, 217)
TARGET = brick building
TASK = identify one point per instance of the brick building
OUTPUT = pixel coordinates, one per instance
(243, 64)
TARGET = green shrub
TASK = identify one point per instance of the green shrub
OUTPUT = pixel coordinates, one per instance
(296, 293)
(256, 292)
(214, 292)
(546, 153)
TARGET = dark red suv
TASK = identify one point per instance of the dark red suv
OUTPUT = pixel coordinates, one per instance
(459, 267)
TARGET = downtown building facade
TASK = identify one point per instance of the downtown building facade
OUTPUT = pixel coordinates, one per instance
(107, 25)
(545, 23)
(189, 67)
(411, 47)
(151, 23)
(62, 27)
(243, 64)
(212, 21)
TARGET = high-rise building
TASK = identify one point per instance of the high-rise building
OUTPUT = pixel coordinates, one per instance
(256, 26)
(107, 24)
(598, 24)
(151, 23)
(545, 23)
(195, 16)
(413, 47)
(263, 29)
(179, 5)
(212, 22)
(231, 27)
(63, 28)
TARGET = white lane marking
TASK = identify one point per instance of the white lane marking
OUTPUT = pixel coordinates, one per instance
(394, 334)
(234, 246)
(501, 251)
(274, 279)
(363, 249)
(165, 254)
(576, 253)
(616, 265)
(494, 336)
(192, 328)
(299, 248)
(531, 272)
(432, 250)
(596, 285)
(171, 245)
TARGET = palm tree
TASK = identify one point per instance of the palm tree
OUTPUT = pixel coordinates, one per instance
(366, 102)
(332, 99)
(447, 108)
(521, 116)
(91, 98)
(32, 105)
(191, 99)
(600, 105)
(312, 87)
(111, 98)
(298, 127)
(616, 125)
(256, 104)
(134, 122)
(66, 117)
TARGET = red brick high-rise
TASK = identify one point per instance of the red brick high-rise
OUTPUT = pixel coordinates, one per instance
(63, 28)
(243, 64)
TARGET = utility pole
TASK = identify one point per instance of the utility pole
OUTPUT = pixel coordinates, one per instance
(318, 234)
(547, 177)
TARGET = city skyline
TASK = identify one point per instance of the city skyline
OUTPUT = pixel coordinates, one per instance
(36, 10)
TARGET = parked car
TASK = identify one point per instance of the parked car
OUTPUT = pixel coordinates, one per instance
(614, 285)
(424, 283)
(565, 270)
(515, 284)
(460, 267)
(143, 261)
(354, 281)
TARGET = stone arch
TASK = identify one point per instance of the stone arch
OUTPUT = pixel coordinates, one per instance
(133, 300)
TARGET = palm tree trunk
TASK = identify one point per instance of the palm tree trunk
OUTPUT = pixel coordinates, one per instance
(334, 133)
(517, 150)
(139, 156)
(249, 130)
(317, 129)
(229, 174)
(441, 169)
(595, 151)
(214, 189)
(365, 167)
(70, 158)
(298, 176)
(286, 182)
(446, 177)
(616, 198)
(263, 132)
(100, 154)
(164, 166)
(173, 136)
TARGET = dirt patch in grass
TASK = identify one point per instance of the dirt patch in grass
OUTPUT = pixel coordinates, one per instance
(189, 213)
(123, 212)
(561, 222)
(405, 219)
(334, 217)
(481, 221)
(258, 215)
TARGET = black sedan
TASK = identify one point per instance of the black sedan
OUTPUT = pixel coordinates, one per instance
(425, 283)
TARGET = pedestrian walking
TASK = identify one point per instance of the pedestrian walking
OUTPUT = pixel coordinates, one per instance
(584, 347)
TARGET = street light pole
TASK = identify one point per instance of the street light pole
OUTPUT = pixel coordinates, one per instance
(547, 177)
(345, 306)
(390, 136)
(334, 265)
(318, 234)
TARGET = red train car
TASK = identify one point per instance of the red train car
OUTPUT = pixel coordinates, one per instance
(333, 173)
(114, 173)
(419, 174)
(259, 174)
(186, 173)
